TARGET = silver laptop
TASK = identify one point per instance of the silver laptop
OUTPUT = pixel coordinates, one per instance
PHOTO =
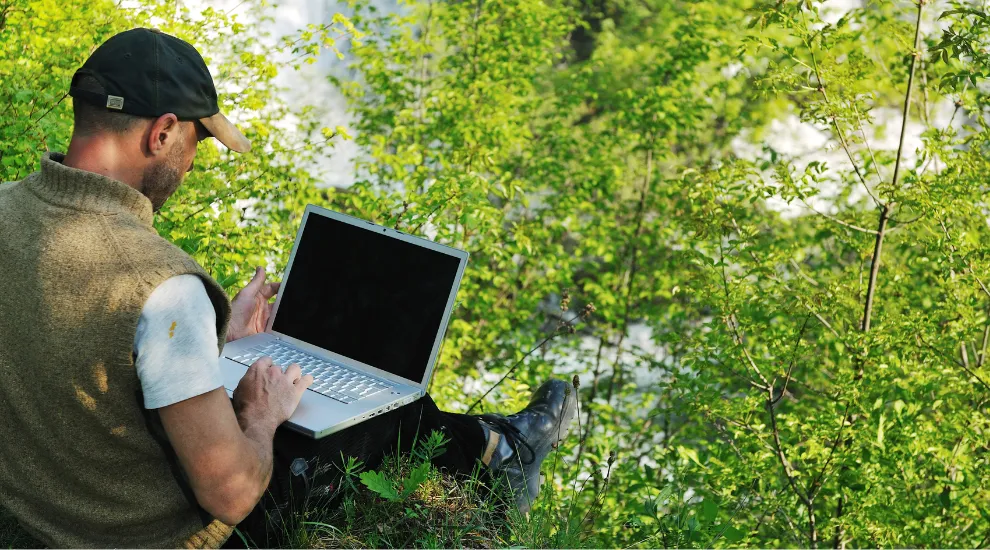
(363, 308)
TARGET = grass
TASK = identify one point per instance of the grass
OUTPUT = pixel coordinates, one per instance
(440, 512)
(405, 503)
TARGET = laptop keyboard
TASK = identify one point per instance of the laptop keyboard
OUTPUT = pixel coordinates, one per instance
(330, 379)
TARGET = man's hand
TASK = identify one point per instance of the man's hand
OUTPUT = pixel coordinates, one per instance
(250, 309)
(227, 452)
(266, 394)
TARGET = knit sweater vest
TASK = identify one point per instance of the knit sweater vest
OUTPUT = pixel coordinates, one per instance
(82, 462)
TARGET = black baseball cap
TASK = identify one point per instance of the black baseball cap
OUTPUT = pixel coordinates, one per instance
(145, 72)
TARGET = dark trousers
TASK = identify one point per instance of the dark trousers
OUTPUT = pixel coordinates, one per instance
(370, 441)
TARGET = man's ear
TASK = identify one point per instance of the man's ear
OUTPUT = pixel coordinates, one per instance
(164, 131)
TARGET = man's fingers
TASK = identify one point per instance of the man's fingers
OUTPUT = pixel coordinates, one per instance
(270, 290)
(263, 362)
(303, 383)
(294, 372)
(256, 282)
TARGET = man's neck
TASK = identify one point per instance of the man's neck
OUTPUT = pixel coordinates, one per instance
(103, 156)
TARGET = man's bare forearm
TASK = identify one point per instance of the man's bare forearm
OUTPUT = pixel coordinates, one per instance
(264, 398)
(259, 430)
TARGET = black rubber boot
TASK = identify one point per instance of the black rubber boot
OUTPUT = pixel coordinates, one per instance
(518, 443)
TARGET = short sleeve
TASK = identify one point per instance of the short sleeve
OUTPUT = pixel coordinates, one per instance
(176, 343)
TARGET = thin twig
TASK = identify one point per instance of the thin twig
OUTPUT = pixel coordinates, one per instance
(790, 367)
(835, 123)
(979, 281)
(821, 319)
(983, 351)
(596, 505)
(37, 120)
(816, 484)
(730, 322)
(221, 198)
(557, 332)
(231, 10)
(439, 205)
(787, 287)
(876, 165)
(801, 272)
(788, 472)
(949, 125)
(954, 361)
(840, 222)
(594, 393)
(616, 381)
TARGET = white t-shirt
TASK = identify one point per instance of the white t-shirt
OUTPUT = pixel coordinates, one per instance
(176, 343)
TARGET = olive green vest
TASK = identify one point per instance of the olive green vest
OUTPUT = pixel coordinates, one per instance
(82, 462)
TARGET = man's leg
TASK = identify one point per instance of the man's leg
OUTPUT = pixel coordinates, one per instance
(512, 446)
(391, 433)
(297, 458)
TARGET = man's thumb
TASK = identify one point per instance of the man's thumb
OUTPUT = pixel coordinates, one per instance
(256, 281)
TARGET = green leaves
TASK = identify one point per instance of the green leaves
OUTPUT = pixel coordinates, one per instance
(396, 490)
(703, 172)
(709, 511)
(378, 484)
(733, 535)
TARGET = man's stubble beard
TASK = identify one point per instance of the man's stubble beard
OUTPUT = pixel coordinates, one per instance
(160, 180)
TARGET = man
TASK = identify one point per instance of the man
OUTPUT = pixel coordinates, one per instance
(116, 429)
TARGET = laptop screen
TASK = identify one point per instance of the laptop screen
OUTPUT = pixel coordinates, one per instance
(366, 296)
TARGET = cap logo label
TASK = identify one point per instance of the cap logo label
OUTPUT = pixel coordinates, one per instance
(115, 102)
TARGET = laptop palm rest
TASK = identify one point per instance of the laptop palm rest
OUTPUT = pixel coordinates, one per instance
(317, 415)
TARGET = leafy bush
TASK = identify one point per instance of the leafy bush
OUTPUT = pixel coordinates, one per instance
(777, 210)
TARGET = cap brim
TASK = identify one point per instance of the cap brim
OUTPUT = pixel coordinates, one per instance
(226, 132)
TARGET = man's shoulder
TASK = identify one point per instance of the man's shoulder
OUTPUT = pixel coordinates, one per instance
(11, 185)
(143, 241)
(6, 186)
(149, 253)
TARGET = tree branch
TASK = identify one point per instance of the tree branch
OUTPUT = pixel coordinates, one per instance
(838, 221)
(983, 351)
(790, 367)
(835, 124)
(557, 332)
(881, 227)
(907, 97)
(616, 381)
(876, 165)
(958, 363)
(875, 267)
(788, 472)
(816, 483)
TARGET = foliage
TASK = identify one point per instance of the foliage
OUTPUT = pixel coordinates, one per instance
(789, 338)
